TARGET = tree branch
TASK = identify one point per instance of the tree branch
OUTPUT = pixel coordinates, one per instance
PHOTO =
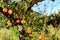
(32, 3)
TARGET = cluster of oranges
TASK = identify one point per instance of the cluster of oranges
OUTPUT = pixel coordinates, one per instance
(29, 32)
(22, 21)
(5, 10)
(9, 11)
(41, 37)
(9, 23)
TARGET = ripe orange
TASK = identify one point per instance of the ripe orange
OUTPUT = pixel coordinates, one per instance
(23, 21)
(29, 31)
(30, 35)
(9, 24)
(10, 11)
(5, 10)
(17, 21)
(41, 37)
(16, 15)
(2, 14)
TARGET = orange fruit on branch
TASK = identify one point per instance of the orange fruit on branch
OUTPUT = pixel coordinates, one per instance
(16, 15)
(17, 21)
(41, 37)
(2, 14)
(29, 30)
(30, 35)
(5, 9)
(9, 24)
(23, 21)
(10, 11)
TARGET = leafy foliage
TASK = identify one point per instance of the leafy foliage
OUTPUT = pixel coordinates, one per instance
(30, 25)
(6, 34)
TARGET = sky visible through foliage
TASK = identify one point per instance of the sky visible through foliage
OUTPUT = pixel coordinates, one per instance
(47, 6)
(51, 7)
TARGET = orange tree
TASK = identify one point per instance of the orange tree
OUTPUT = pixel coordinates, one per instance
(31, 26)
